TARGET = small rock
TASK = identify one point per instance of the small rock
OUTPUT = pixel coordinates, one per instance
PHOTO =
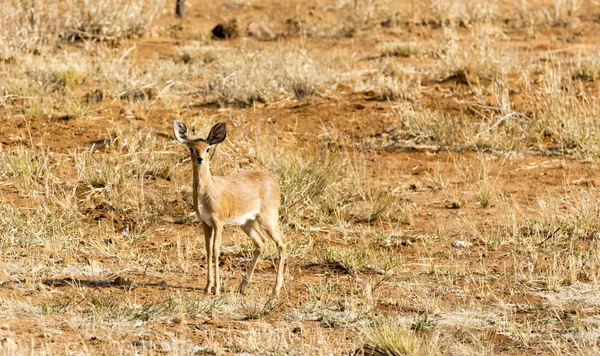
(230, 29)
(461, 244)
(260, 32)
(454, 204)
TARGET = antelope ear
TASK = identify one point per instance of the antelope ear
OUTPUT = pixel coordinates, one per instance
(217, 134)
(181, 132)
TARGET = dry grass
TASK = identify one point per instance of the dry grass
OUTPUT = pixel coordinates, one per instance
(559, 120)
(100, 248)
(34, 27)
(243, 79)
(355, 18)
(400, 49)
(474, 60)
(587, 67)
(389, 338)
(127, 19)
(199, 52)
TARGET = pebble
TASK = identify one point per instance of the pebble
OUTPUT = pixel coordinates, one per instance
(461, 244)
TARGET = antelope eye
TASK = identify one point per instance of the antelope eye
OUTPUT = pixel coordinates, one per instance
(192, 150)
(207, 149)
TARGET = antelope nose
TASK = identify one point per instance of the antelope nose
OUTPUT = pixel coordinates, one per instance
(199, 160)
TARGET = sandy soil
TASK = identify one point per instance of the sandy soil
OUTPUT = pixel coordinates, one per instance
(481, 303)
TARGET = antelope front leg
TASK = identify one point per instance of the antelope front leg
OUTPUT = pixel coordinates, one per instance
(217, 232)
(208, 242)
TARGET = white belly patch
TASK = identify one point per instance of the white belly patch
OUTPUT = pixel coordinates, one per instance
(204, 216)
(241, 220)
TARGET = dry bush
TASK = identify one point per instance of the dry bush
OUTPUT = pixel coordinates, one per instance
(99, 172)
(574, 216)
(566, 119)
(544, 13)
(41, 225)
(463, 13)
(346, 259)
(110, 19)
(28, 29)
(479, 60)
(361, 15)
(39, 25)
(242, 79)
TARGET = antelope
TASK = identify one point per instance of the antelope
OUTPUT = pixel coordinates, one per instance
(249, 199)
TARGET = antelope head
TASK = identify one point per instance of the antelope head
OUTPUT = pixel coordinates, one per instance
(201, 149)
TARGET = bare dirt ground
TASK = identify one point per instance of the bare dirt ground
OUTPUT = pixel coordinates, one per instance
(126, 273)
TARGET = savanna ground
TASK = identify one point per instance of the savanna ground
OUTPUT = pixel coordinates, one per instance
(438, 164)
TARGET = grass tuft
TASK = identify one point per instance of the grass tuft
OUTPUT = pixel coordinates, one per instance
(390, 338)
(308, 184)
(199, 52)
(400, 49)
(587, 68)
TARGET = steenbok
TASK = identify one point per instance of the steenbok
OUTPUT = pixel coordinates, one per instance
(249, 199)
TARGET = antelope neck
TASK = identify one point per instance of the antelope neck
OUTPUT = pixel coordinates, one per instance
(202, 179)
